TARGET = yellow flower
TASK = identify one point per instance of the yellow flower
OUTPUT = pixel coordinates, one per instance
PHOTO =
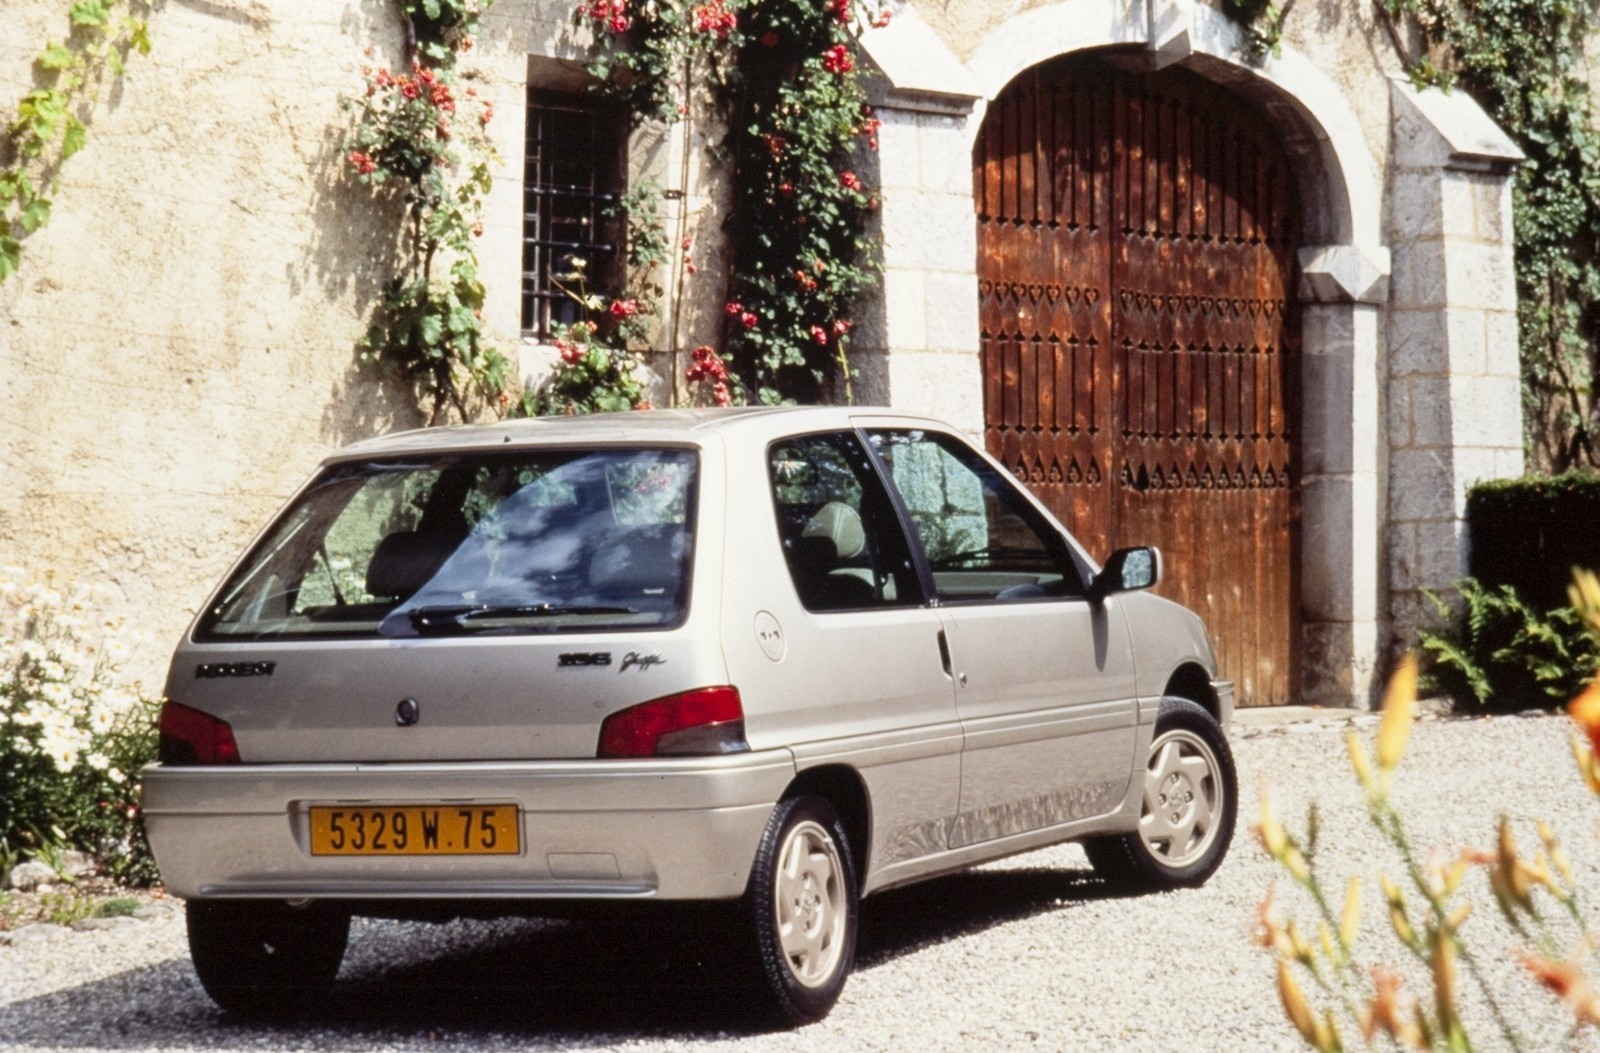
(1319, 1032)
(1276, 839)
(1358, 760)
(1395, 727)
(1350, 920)
(1585, 595)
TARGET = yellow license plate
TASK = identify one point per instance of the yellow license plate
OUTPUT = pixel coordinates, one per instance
(415, 830)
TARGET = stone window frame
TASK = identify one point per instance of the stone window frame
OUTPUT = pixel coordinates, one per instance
(589, 177)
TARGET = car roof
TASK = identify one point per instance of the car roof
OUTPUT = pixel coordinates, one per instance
(690, 426)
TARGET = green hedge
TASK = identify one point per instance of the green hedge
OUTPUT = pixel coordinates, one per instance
(1529, 533)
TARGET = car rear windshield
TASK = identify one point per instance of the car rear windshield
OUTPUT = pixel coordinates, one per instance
(543, 541)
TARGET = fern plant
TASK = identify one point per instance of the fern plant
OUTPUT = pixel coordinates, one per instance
(1499, 651)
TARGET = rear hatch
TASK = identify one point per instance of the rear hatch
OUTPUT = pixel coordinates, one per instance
(459, 606)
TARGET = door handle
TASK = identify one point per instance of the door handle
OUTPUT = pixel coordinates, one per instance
(944, 654)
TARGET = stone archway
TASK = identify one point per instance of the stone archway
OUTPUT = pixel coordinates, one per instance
(933, 106)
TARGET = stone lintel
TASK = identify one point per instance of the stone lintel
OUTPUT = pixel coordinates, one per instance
(919, 72)
(1344, 274)
(1438, 129)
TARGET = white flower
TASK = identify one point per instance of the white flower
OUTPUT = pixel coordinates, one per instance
(65, 756)
(99, 761)
(116, 776)
(101, 720)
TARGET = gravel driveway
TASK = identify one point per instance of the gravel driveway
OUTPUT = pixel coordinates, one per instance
(1032, 953)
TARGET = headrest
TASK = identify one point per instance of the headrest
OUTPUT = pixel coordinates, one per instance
(841, 524)
(651, 558)
(404, 562)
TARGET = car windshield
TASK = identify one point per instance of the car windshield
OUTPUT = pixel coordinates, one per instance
(544, 541)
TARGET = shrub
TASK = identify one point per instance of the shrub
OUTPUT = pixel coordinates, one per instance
(1502, 652)
(73, 732)
(1530, 532)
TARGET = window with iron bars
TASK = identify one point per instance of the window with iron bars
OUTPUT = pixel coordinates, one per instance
(574, 176)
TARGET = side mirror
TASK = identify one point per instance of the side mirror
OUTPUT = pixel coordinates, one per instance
(1128, 570)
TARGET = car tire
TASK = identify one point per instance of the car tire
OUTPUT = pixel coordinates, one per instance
(802, 906)
(266, 957)
(1190, 802)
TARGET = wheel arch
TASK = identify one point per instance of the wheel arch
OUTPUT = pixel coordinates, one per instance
(1191, 681)
(842, 787)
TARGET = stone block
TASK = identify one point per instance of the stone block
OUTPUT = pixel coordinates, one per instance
(1418, 279)
(1327, 330)
(948, 384)
(1344, 273)
(1428, 555)
(1473, 464)
(906, 308)
(1418, 345)
(1480, 275)
(899, 152)
(1339, 546)
(1415, 209)
(1492, 209)
(872, 377)
(952, 311)
(1410, 611)
(946, 153)
(1458, 202)
(1509, 463)
(922, 232)
(1421, 485)
(1429, 409)
(1488, 411)
(1327, 426)
(1339, 663)
(1502, 354)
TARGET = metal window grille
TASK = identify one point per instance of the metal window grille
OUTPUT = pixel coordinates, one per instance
(571, 183)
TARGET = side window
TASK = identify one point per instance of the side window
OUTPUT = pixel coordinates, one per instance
(840, 537)
(983, 540)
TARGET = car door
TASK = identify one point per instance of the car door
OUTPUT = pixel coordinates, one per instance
(839, 654)
(1044, 677)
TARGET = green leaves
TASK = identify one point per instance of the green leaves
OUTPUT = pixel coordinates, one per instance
(1502, 652)
(417, 139)
(48, 130)
(57, 57)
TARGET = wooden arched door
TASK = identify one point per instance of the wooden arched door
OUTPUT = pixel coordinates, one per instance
(1137, 236)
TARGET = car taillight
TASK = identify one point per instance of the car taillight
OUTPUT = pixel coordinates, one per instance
(189, 736)
(706, 720)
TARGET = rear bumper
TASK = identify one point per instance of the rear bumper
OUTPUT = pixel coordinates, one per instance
(668, 829)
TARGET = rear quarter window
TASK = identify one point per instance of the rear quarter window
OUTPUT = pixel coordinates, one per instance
(533, 541)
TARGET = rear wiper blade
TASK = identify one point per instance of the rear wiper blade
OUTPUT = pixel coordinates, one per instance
(457, 615)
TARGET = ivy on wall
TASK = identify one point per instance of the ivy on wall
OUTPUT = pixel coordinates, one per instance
(50, 127)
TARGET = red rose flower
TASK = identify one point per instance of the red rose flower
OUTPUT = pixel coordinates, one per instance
(837, 60)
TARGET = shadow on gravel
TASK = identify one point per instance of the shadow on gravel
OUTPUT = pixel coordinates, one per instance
(645, 974)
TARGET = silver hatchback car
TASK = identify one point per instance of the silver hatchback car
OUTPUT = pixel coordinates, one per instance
(777, 658)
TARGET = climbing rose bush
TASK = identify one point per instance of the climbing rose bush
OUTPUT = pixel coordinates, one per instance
(74, 730)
